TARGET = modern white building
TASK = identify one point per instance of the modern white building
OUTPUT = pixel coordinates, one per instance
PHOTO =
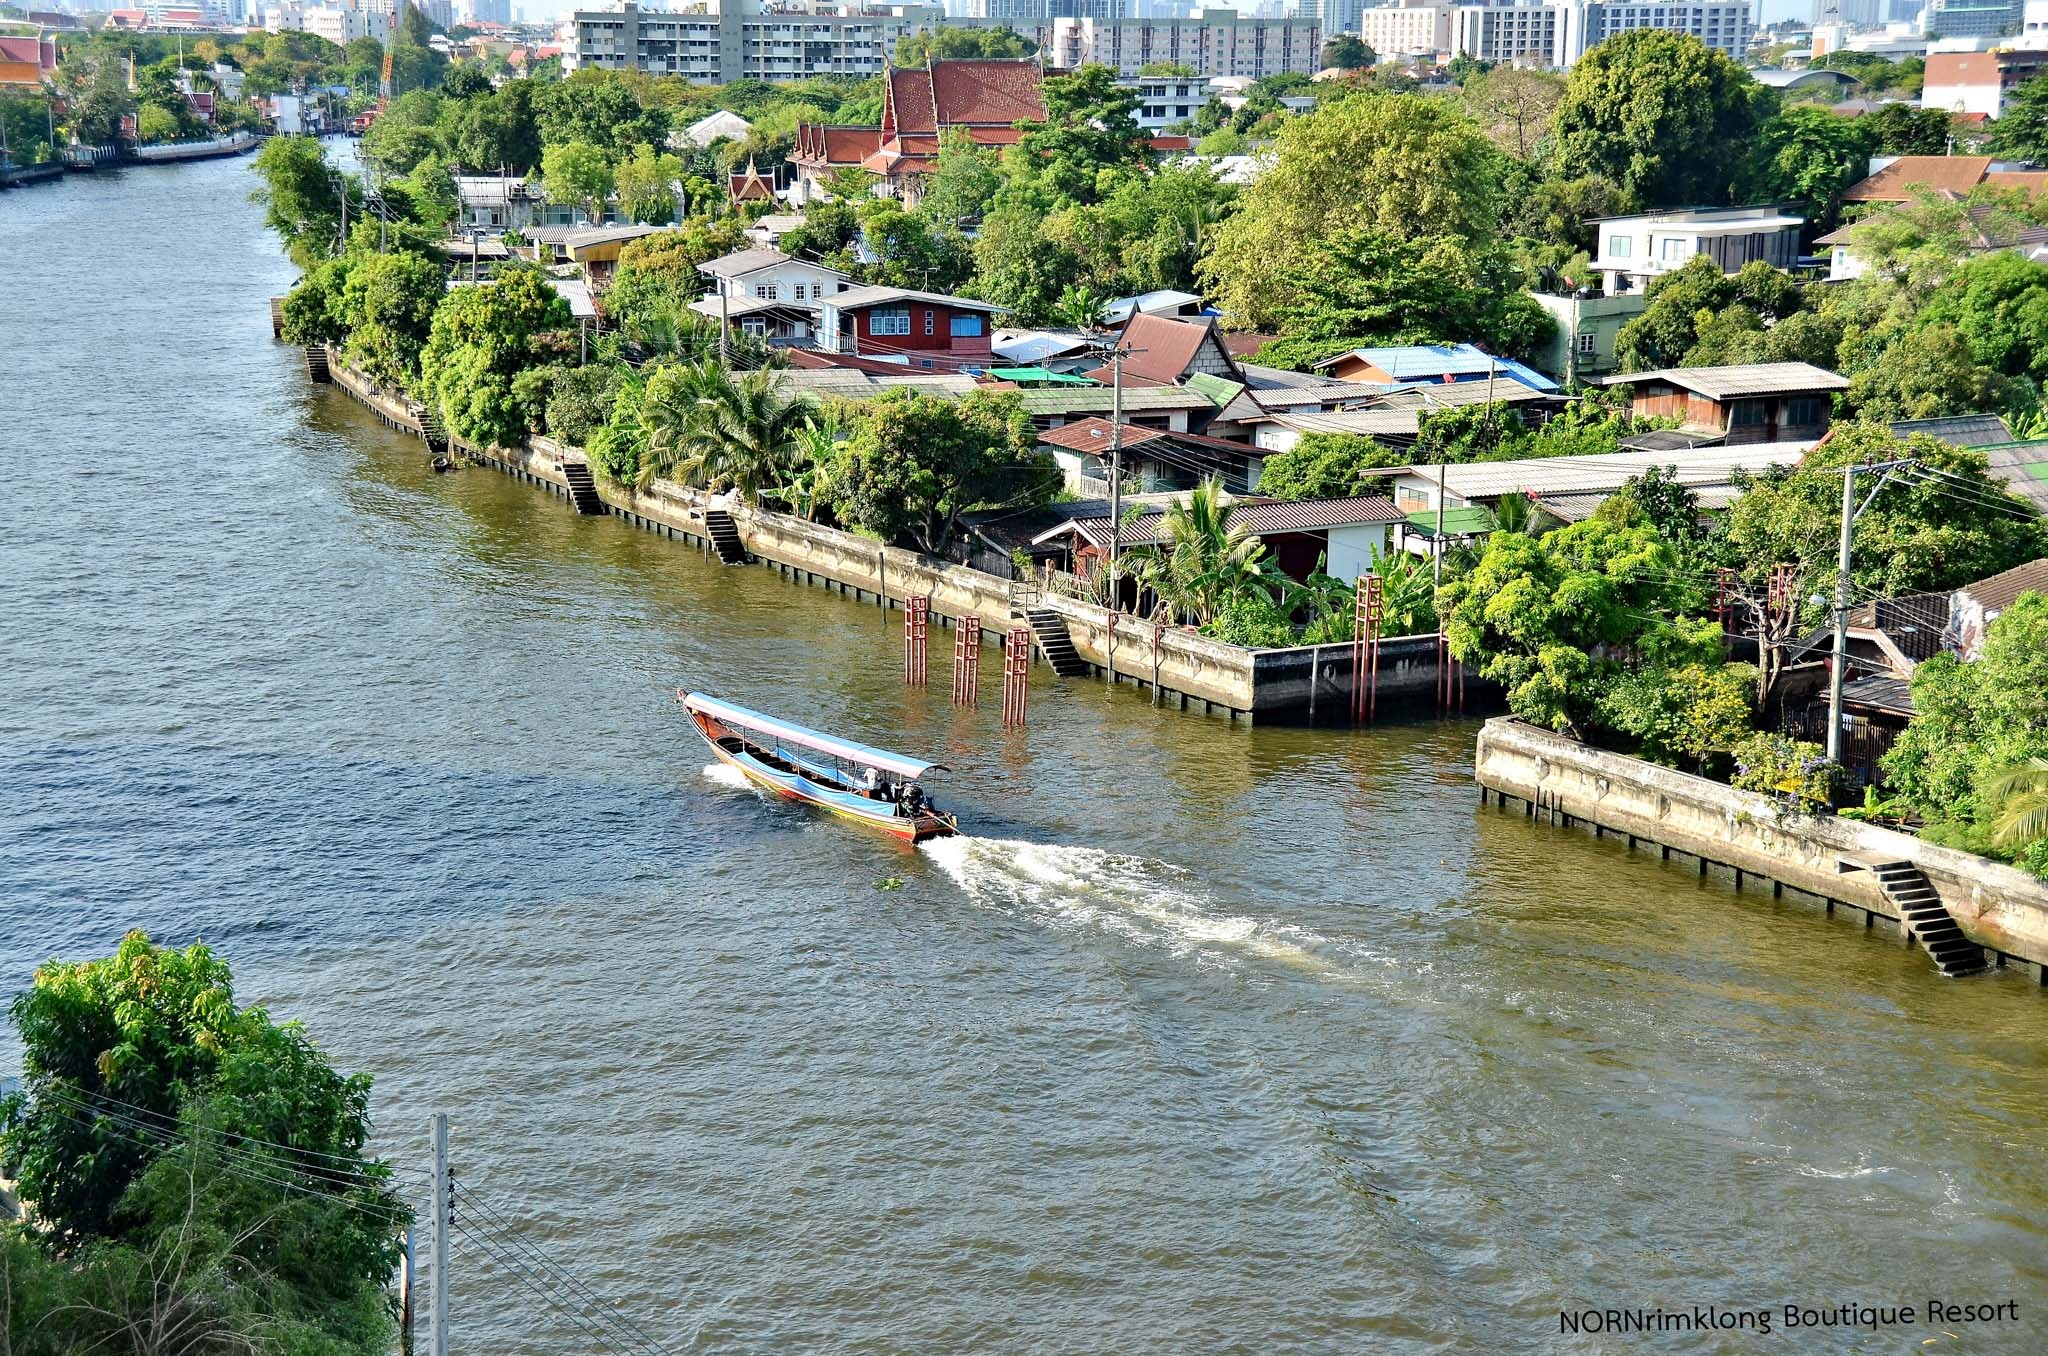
(1556, 34)
(1211, 42)
(716, 42)
(1634, 251)
(770, 275)
(1164, 100)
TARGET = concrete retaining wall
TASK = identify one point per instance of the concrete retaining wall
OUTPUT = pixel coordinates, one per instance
(1995, 905)
(1191, 670)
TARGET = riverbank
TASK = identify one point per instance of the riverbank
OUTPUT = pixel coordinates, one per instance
(1177, 666)
(1838, 862)
(90, 159)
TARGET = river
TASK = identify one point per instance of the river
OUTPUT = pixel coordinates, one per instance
(1205, 1038)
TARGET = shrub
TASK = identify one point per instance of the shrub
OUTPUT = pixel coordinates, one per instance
(1791, 769)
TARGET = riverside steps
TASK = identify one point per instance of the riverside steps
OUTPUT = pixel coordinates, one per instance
(1958, 906)
(1178, 666)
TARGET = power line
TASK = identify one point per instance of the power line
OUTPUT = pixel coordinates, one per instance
(591, 1328)
(595, 1306)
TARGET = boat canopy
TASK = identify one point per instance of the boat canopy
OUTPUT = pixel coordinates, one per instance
(861, 754)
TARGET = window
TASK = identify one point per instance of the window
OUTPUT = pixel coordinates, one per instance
(765, 291)
(754, 325)
(1803, 412)
(1746, 414)
(1677, 247)
(800, 290)
(928, 320)
(1586, 344)
(1619, 246)
(966, 327)
(889, 320)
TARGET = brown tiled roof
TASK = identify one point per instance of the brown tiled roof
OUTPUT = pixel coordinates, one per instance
(999, 92)
(1158, 349)
(1092, 435)
(908, 96)
(2030, 181)
(2001, 591)
(830, 145)
(1958, 173)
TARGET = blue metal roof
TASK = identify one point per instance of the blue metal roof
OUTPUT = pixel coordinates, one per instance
(1415, 364)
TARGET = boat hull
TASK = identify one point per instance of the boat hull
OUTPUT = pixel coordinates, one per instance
(838, 799)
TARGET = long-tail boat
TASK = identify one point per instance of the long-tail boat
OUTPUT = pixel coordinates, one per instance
(867, 785)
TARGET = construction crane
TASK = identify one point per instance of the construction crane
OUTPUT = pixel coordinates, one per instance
(384, 81)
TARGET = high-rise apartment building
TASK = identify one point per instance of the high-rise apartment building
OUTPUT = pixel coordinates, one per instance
(719, 41)
(1554, 34)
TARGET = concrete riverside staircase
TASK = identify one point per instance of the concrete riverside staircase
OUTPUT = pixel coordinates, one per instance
(1926, 921)
(582, 485)
(725, 537)
(432, 431)
(1055, 644)
(316, 363)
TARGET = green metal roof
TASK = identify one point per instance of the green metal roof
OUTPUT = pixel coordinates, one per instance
(1458, 522)
(1222, 390)
(1097, 399)
(1040, 374)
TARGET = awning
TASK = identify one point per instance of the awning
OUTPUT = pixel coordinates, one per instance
(754, 721)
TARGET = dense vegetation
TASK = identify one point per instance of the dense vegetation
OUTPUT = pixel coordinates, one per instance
(195, 1170)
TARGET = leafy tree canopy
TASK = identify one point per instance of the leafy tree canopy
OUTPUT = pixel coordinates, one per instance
(1655, 112)
(1327, 466)
(915, 463)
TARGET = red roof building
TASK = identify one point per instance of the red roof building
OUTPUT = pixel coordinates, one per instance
(984, 98)
(750, 187)
(27, 61)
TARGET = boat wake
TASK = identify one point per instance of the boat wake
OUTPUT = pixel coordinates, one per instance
(728, 776)
(1149, 902)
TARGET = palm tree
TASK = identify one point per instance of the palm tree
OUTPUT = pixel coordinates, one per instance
(2021, 795)
(1518, 513)
(710, 429)
(1202, 562)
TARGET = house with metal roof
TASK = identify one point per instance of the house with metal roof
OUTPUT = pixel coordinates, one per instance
(1154, 460)
(1411, 364)
(1342, 537)
(1572, 487)
(2023, 466)
(1743, 403)
(1165, 302)
(923, 329)
(1164, 407)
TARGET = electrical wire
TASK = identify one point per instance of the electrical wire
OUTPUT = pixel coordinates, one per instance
(89, 1101)
(600, 1310)
(590, 1326)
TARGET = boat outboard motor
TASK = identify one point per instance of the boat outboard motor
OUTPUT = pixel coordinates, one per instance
(913, 800)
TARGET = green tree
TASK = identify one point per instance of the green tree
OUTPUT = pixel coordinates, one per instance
(1018, 266)
(483, 337)
(496, 133)
(657, 278)
(579, 175)
(713, 430)
(1691, 715)
(2021, 131)
(1090, 132)
(647, 185)
(1363, 286)
(965, 181)
(404, 134)
(388, 305)
(1809, 155)
(1999, 303)
(1207, 568)
(466, 80)
(1413, 168)
(915, 463)
(1902, 129)
(1347, 52)
(1977, 724)
(1550, 619)
(121, 1056)
(1681, 301)
(1924, 372)
(303, 198)
(1921, 532)
(957, 44)
(1655, 112)
(597, 108)
(911, 252)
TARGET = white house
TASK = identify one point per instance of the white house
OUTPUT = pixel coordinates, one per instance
(719, 126)
(1635, 250)
(770, 275)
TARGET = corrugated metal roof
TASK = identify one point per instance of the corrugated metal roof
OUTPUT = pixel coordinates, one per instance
(1097, 399)
(855, 297)
(1261, 517)
(1458, 522)
(1739, 379)
(1960, 430)
(1437, 395)
(1092, 435)
(1881, 693)
(1606, 471)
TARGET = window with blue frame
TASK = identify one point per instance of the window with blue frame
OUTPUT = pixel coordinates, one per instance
(889, 320)
(967, 327)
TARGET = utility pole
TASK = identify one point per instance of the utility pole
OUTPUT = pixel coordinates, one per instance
(444, 1202)
(724, 323)
(1850, 512)
(1116, 494)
